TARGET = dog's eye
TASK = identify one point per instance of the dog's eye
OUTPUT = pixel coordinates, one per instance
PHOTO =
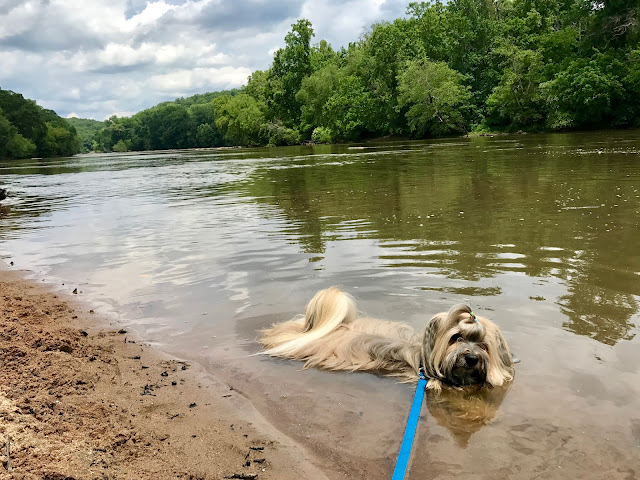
(456, 338)
(484, 346)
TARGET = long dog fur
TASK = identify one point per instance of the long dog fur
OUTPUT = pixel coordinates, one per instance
(331, 336)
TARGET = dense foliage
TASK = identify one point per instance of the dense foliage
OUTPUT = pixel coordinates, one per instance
(447, 68)
(86, 129)
(28, 130)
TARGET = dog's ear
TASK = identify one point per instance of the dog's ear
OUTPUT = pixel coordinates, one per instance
(500, 361)
(431, 341)
(431, 332)
(503, 350)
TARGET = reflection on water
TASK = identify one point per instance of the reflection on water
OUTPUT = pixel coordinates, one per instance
(200, 249)
(465, 411)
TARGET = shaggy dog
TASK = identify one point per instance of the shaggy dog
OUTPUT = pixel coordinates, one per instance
(456, 349)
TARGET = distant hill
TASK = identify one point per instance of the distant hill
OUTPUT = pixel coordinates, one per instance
(200, 98)
(86, 129)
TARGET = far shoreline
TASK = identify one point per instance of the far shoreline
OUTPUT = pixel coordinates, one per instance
(373, 141)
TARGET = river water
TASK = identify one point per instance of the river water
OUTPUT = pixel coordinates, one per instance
(198, 250)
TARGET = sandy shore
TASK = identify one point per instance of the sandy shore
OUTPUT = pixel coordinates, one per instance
(81, 399)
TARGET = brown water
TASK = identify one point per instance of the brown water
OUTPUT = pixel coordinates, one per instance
(199, 250)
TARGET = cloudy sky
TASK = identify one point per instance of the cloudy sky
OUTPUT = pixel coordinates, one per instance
(95, 58)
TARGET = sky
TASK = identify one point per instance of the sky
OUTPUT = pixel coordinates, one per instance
(97, 58)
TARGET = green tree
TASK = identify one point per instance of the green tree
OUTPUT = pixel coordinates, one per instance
(377, 60)
(86, 130)
(526, 64)
(7, 131)
(203, 118)
(258, 86)
(20, 147)
(631, 82)
(169, 126)
(59, 142)
(517, 101)
(277, 134)
(313, 95)
(584, 94)
(30, 124)
(435, 99)
(207, 135)
(239, 119)
(613, 23)
(121, 146)
(290, 65)
(321, 135)
(322, 55)
(348, 112)
(25, 115)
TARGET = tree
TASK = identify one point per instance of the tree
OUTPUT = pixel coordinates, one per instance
(258, 85)
(239, 119)
(313, 95)
(28, 129)
(434, 97)
(377, 61)
(59, 142)
(169, 126)
(7, 131)
(277, 134)
(584, 94)
(348, 112)
(631, 82)
(204, 119)
(121, 146)
(20, 147)
(25, 115)
(614, 23)
(290, 65)
(86, 130)
(517, 101)
(322, 55)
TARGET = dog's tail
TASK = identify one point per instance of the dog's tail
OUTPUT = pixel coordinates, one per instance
(326, 311)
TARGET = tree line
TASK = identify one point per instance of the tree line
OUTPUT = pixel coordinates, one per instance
(28, 130)
(445, 69)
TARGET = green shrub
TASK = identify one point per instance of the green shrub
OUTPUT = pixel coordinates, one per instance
(276, 134)
(120, 147)
(321, 135)
(20, 147)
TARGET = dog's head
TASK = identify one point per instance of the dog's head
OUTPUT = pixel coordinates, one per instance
(462, 349)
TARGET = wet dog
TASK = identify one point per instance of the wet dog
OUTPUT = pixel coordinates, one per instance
(457, 348)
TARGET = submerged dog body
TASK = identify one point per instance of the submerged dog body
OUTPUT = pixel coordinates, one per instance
(456, 348)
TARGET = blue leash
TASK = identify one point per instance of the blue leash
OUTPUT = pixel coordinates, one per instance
(410, 430)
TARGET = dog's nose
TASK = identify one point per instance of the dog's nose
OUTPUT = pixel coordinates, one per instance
(472, 360)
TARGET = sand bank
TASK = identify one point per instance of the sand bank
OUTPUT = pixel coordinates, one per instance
(81, 398)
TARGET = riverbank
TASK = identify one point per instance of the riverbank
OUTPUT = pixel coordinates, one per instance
(82, 399)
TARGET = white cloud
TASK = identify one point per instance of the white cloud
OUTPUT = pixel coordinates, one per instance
(118, 114)
(205, 79)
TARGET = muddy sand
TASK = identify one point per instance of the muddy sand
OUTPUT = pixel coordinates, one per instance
(82, 399)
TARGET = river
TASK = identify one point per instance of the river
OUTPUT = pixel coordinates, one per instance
(198, 250)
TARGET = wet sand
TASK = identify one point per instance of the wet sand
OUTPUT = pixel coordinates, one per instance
(82, 399)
